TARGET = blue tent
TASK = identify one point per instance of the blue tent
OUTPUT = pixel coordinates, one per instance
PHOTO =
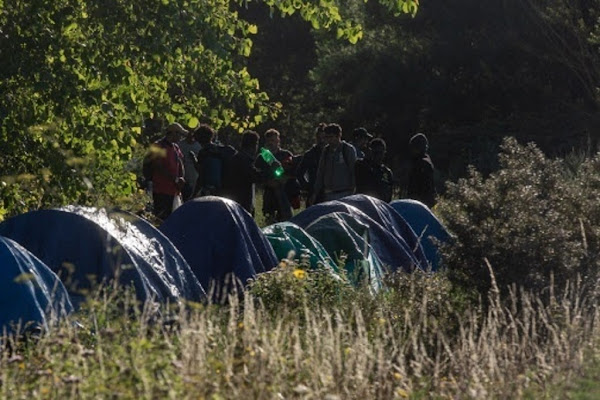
(286, 237)
(86, 245)
(341, 232)
(30, 293)
(386, 216)
(218, 238)
(426, 225)
(391, 248)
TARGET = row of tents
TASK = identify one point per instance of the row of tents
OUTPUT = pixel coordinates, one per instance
(52, 258)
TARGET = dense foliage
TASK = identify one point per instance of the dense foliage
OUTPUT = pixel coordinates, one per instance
(535, 221)
(79, 78)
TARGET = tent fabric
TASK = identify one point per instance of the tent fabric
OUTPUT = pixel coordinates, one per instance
(341, 232)
(165, 258)
(286, 237)
(426, 225)
(219, 238)
(391, 248)
(386, 216)
(87, 245)
(30, 293)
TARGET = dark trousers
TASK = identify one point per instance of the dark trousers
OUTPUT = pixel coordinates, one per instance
(187, 192)
(276, 206)
(163, 205)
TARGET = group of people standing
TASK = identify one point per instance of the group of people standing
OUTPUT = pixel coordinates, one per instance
(187, 164)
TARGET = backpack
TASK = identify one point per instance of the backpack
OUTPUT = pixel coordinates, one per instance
(211, 165)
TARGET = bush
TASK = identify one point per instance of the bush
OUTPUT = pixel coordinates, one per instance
(534, 220)
(293, 285)
(292, 289)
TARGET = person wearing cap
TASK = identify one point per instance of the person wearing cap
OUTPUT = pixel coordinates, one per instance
(189, 147)
(420, 178)
(373, 178)
(167, 170)
(360, 140)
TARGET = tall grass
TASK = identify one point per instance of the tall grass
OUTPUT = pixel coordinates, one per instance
(394, 349)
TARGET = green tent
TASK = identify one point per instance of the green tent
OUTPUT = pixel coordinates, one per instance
(286, 237)
(340, 233)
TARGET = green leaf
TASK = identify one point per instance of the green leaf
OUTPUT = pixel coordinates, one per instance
(193, 122)
(71, 27)
(405, 7)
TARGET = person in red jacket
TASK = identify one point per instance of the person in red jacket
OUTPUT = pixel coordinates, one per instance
(167, 170)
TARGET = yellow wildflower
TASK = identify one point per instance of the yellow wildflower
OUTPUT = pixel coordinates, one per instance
(300, 273)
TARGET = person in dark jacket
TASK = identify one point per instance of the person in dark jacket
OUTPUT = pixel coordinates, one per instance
(189, 147)
(360, 140)
(373, 178)
(241, 175)
(276, 204)
(335, 175)
(420, 179)
(307, 170)
(210, 162)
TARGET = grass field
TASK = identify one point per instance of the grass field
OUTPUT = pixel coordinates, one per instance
(416, 341)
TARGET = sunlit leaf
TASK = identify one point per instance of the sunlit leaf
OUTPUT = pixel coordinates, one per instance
(193, 122)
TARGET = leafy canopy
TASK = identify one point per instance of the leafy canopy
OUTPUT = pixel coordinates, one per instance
(78, 78)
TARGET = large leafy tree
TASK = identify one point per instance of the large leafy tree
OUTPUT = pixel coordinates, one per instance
(78, 78)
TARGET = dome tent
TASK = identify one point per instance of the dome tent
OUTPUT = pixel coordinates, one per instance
(219, 240)
(30, 293)
(286, 237)
(341, 232)
(391, 249)
(386, 216)
(87, 245)
(426, 226)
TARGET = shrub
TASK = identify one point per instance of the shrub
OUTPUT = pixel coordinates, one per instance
(293, 285)
(532, 220)
(292, 289)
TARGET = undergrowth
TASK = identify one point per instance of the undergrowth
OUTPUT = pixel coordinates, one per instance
(418, 339)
